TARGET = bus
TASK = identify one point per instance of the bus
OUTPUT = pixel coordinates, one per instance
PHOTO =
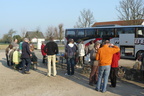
(130, 38)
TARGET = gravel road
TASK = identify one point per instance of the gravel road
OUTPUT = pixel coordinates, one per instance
(13, 83)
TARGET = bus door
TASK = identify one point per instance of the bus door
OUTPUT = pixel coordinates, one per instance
(127, 45)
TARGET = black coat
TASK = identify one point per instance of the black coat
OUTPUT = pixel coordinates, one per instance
(51, 48)
(25, 50)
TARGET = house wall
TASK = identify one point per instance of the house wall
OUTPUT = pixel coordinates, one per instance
(143, 23)
(39, 43)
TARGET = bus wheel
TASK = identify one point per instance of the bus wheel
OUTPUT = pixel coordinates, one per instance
(139, 53)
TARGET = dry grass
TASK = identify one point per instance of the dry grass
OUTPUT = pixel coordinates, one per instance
(3, 46)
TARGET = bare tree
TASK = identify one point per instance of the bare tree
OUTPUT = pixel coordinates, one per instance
(61, 32)
(50, 32)
(38, 29)
(9, 36)
(85, 20)
(23, 32)
(56, 34)
(131, 10)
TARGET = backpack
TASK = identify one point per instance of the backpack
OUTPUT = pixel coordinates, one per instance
(71, 51)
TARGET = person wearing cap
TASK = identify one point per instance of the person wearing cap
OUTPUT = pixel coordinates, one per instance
(104, 57)
(26, 56)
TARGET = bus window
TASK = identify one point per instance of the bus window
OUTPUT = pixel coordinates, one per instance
(106, 32)
(70, 33)
(129, 30)
(100, 32)
(119, 31)
(139, 33)
(90, 33)
(80, 33)
(124, 31)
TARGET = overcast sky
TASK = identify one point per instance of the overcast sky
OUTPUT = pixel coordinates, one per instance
(31, 14)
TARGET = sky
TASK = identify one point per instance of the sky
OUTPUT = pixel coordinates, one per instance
(32, 14)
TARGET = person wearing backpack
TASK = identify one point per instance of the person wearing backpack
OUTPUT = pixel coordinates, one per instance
(70, 52)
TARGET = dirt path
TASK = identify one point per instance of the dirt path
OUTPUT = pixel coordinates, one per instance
(13, 83)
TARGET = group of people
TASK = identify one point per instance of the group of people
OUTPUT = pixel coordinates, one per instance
(20, 56)
(103, 59)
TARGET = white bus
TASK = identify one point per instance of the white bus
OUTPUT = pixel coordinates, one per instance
(130, 39)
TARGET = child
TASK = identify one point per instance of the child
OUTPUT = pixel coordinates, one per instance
(33, 58)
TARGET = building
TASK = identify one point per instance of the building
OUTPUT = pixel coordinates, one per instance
(119, 23)
(36, 38)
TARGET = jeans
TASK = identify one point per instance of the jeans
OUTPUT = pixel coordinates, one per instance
(70, 65)
(26, 62)
(51, 59)
(103, 75)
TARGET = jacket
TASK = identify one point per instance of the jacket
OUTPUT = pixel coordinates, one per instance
(42, 50)
(70, 50)
(25, 50)
(51, 48)
(105, 54)
(115, 59)
(81, 49)
(16, 57)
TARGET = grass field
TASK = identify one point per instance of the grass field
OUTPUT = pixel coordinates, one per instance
(3, 46)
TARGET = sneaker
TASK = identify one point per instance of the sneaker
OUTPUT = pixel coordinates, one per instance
(80, 66)
(91, 84)
(66, 74)
(97, 90)
(23, 72)
(27, 72)
(77, 66)
(111, 86)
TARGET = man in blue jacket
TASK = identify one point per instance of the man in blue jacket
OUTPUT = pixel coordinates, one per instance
(26, 54)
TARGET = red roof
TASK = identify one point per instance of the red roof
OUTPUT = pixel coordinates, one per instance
(128, 22)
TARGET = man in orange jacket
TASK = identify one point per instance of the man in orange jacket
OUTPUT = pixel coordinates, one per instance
(104, 56)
